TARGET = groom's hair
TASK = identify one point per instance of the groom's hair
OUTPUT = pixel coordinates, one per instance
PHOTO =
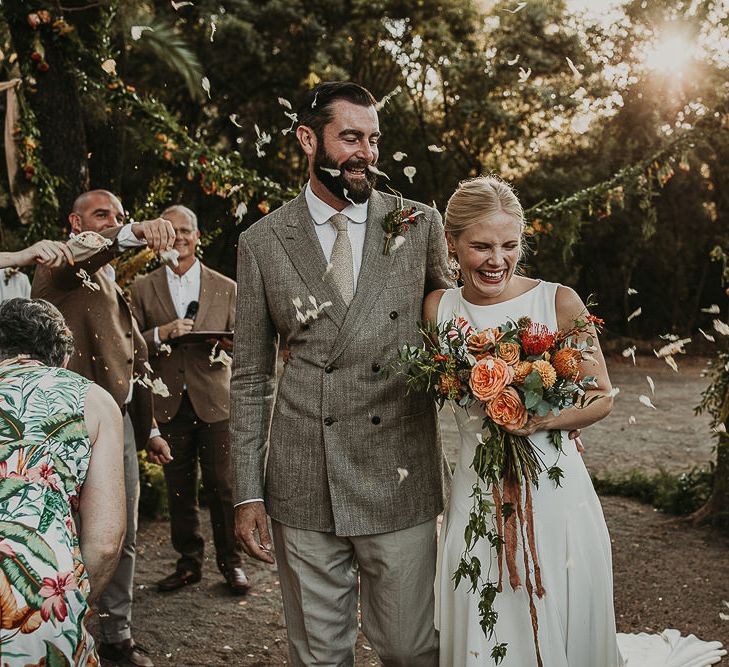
(315, 109)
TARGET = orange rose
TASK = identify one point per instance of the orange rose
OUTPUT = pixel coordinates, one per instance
(480, 342)
(509, 352)
(507, 409)
(489, 376)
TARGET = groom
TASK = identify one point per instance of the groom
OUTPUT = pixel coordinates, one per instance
(353, 479)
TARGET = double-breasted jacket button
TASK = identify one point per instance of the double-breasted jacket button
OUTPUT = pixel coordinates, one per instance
(376, 420)
(376, 368)
(329, 369)
(393, 315)
(129, 334)
(328, 421)
(130, 360)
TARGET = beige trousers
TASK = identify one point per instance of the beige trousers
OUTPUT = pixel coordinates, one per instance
(319, 585)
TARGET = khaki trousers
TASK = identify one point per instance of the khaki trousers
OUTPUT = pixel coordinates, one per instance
(319, 585)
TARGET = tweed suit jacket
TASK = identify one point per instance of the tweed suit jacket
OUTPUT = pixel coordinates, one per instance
(208, 385)
(341, 423)
(108, 346)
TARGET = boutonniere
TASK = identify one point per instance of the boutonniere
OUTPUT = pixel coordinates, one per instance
(397, 222)
(9, 273)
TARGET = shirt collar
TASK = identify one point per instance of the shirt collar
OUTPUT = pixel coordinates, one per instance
(193, 273)
(321, 211)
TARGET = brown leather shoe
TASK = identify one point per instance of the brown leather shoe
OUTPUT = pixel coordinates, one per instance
(178, 579)
(125, 654)
(237, 580)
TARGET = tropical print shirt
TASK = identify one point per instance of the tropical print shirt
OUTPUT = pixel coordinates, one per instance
(44, 457)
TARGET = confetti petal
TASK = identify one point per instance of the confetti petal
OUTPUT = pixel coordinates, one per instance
(241, 210)
(632, 291)
(577, 74)
(109, 66)
(651, 384)
(513, 61)
(516, 9)
(721, 327)
(138, 30)
(713, 309)
(635, 314)
(213, 28)
(708, 337)
(630, 352)
(375, 170)
(206, 85)
(436, 149)
(234, 119)
(646, 401)
(631, 419)
(331, 172)
(284, 103)
(409, 171)
(403, 473)
(524, 74)
(178, 5)
(399, 156)
(671, 362)
(396, 91)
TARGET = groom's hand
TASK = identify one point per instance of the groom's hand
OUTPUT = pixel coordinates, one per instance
(250, 518)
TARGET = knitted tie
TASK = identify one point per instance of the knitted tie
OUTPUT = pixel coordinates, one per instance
(342, 270)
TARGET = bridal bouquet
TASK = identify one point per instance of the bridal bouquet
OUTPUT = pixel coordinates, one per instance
(504, 375)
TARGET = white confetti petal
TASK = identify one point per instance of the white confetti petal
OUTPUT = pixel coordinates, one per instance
(159, 388)
(375, 170)
(651, 384)
(516, 9)
(138, 30)
(213, 28)
(396, 91)
(577, 74)
(436, 149)
(721, 428)
(165, 348)
(721, 327)
(409, 171)
(674, 347)
(297, 302)
(234, 119)
(399, 156)
(708, 337)
(513, 61)
(635, 314)
(524, 74)
(632, 291)
(331, 172)
(109, 66)
(613, 392)
(646, 401)
(177, 5)
(241, 210)
(630, 352)
(284, 103)
(403, 473)
(206, 85)
(671, 362)
(631, 419)
(170, 257)
(713, 309)
(397, 242)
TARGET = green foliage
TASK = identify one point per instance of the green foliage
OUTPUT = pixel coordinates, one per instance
(31, 539)
(152, 489)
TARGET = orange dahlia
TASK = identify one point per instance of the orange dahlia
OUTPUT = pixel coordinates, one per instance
(567, 362)
(521, 370)
(546, 372)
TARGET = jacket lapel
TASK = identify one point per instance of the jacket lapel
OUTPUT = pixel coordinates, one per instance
(206, 295)
(298, 237)
(162, 292)
(372, 276)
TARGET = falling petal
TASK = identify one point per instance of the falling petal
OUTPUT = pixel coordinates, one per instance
(721, 428)
(375, 170)
(399, 156)
(631, 419)
(87, 282)
(347, 197)
(708, 337)
(234, 119)
(409, 171)
(713, 309)
(213, 28)
(403, 473)
(674, 347)
(241, 210)
(516, 9)
(613, 392)
(524, 74)
(721, 327)
(294, 119)
(109, 66)
(297, 302)
(396, 91)
(577, 74)
(635, 314)
(632, 291)
(671, 362)
(651, 384)
(165, 348)
(646, 401)
(138, 30)
(206, 85)
(397, 242)
(159, 388)
(513, 61)
(170, 257)
(177, 5)
(284, 103)
(630, 352)
(331, 172)
(723, 616)
(436, 149)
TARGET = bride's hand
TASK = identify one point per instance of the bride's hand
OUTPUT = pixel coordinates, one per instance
(534, 424)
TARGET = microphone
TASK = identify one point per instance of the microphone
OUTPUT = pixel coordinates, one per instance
(192, 309)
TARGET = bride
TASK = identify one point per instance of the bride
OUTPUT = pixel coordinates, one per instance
(574, 623)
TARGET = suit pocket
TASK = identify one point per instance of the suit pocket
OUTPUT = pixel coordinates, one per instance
(290, 457)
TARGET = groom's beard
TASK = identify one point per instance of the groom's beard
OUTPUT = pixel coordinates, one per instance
(358, 191)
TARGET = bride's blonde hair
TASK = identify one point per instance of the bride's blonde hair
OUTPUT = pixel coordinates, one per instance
(477, 199)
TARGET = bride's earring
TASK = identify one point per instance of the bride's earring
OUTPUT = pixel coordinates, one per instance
(454, 268)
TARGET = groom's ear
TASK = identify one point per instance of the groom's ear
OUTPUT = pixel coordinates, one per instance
(307, 139)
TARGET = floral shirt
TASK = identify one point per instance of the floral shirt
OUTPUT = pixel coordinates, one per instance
(44, 457)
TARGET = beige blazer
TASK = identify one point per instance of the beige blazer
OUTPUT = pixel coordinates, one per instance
(208, 385)
(109, 347)
(342, 421)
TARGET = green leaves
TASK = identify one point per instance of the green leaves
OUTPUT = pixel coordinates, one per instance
(23, 577)
(555, 474)
(65, 427)
(10, 428)
(30, 539)
(8, 448)
(54, 656)
(9, 486)
(533, 390)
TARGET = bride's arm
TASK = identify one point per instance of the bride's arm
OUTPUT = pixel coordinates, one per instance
(430, 305)
(569, 308)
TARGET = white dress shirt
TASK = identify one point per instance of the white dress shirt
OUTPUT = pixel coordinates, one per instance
(13, 285)
(183, 290)
(320, 213)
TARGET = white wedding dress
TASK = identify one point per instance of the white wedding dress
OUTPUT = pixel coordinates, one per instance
(576, 621)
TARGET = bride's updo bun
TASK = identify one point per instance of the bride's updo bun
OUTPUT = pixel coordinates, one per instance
(477, 199)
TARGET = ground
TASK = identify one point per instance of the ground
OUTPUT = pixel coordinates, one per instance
(666, 573)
